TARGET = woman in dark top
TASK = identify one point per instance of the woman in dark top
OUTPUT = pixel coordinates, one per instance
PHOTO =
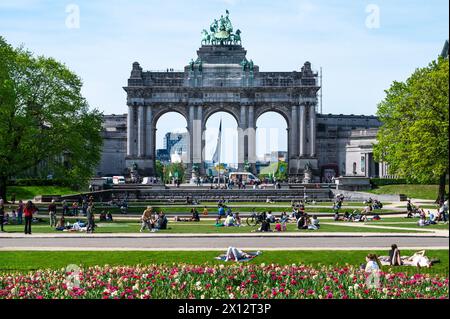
(28, 213)
(394, 256)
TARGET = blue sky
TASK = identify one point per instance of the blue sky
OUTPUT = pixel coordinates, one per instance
(358, 62)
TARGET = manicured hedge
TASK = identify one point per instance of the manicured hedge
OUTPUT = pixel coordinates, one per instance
(37, 182)
(387, 181)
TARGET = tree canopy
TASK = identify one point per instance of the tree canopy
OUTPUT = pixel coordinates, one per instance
(415, 115)
(44, 117)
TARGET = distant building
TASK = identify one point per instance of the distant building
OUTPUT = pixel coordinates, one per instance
(114, 150)
(176, 145)
(163, 156)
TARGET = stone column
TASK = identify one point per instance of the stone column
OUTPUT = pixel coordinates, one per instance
(191, 135)
(294, 132)
(312, 124)
(242, 147)
(130, 131)
(251, 133)
(302, 134)
(149, 143)
(141, 131)
(197, 136)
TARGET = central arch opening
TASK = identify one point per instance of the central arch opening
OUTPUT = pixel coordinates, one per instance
(228, 143)
(272, 146)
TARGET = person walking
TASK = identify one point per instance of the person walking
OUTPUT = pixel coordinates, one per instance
(2, 215)
(28, 213)
(20, 208)
(52, 213)
(147, 219)
(90, 218)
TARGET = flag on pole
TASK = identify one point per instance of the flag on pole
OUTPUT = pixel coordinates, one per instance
(216, 157)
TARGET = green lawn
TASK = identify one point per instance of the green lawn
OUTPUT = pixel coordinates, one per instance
(29, 192)
(414, 225)
(204, 227)
(31, 260)
(411, 191)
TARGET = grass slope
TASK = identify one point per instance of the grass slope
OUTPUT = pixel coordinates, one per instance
(412, 191)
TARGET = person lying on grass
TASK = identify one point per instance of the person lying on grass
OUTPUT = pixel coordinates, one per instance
(236, 254)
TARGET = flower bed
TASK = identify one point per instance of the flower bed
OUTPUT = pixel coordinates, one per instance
(225, 282)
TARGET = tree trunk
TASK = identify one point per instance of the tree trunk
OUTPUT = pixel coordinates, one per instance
(3, 183)
(441, 194)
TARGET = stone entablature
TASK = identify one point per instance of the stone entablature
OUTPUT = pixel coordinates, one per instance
(222, 79)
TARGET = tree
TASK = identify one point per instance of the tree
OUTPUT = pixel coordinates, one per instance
(413, 139)
(159, 168)
(44, 118)
(176, 170)
(281, 174)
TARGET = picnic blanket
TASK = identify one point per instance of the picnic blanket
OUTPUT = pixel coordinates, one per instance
(223, 257)
(410, 260)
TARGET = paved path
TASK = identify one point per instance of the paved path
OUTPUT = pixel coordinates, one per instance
(254, 242)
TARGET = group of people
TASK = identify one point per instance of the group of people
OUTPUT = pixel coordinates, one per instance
(87, 205)
(153, 221)
(355, 216)
(427, 218)
(25, 211)
(231, 219)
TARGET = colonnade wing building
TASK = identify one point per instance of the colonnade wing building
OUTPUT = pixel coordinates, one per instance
(223, 79)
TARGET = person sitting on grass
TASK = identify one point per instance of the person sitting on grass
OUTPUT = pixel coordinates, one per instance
(270, 218)
(284, 218)
(109, 217)
(103, 216)
(315, 221)
(195, 215)
(279, 227)
(347, 216)
(359, 217)
(265, 226)
(205, 211)
(377, 204)
(162, 221)
(432, 218)
(394, 256)
(61, 225)
(423, 222)
(302, 222)
(229, 221)
(373, 264)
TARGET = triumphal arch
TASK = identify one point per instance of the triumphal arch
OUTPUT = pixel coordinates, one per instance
(223, 79)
